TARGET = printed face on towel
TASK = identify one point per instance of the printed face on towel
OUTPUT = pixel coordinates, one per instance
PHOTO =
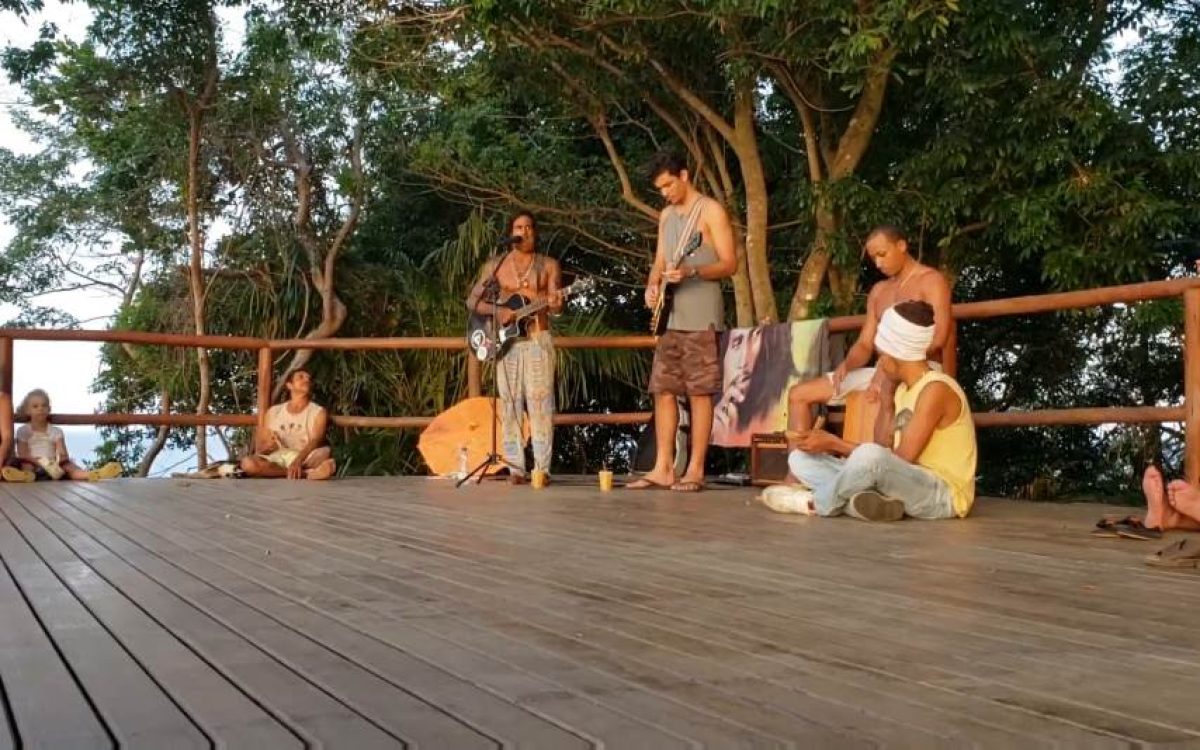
(758, 366)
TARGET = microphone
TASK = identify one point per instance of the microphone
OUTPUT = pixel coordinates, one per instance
(506, 241)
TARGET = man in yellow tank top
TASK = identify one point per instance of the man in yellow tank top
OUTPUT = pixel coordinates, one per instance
(930, 470)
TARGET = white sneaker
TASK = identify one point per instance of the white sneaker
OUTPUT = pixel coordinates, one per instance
(784, 498)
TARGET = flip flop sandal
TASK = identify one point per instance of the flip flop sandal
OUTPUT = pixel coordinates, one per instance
(687, 486)
(1107, 525)
(641, 484)
(1133, 528)
(1184, 553)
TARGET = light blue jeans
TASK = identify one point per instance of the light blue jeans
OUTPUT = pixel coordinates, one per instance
(871, 467)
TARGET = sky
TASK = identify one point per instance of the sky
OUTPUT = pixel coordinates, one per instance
(64, 369)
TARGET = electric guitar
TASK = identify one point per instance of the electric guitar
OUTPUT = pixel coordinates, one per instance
(666, 292)
(486, 347)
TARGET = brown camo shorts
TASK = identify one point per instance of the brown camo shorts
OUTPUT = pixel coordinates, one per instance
(686, 363)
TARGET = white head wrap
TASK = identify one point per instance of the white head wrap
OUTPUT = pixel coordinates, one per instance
(901, 339)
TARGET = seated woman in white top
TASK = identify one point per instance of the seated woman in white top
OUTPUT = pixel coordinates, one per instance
(42, 448)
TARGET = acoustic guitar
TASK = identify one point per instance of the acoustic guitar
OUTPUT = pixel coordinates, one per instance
(487, 347)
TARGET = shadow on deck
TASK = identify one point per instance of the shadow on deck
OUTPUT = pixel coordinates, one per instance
(383, 612)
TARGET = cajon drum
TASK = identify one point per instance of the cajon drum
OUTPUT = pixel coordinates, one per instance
(858, 424)
(768, 450)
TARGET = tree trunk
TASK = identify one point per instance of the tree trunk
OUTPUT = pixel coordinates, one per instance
(812, 273)
(322, 254)
(840, 164)
(196, 110)
(160, 441)
(196, 273)
(755, 181)
(743, 300)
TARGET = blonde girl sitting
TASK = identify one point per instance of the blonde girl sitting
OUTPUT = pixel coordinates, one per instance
(9, 468)
(42, 447)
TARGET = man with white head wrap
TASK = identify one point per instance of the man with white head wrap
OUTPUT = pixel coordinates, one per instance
(929, 472)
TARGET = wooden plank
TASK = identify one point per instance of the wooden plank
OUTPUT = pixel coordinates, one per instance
(224, 712)
(353, 683)
(827, 522)
(133, 706)
(518, 595)
(539, 694)
(826, 709)
(383, 660)
(45, 701)
(654, 619)
(312, 713)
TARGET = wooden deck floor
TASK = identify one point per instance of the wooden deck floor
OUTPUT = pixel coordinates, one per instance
(393, 612)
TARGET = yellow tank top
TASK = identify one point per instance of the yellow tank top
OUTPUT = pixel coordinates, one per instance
(950, 452)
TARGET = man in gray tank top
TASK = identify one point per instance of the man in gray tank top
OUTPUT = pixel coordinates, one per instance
(695, 251)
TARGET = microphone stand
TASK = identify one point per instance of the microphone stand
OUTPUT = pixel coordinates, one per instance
(491, 288)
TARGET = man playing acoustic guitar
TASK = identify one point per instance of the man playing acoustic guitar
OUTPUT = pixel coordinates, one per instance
(686, 360)
(525, 372)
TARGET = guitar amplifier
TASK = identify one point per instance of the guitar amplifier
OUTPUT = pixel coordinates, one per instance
(768, 458)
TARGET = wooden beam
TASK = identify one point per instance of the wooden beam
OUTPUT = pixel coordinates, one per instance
(1191, 384)
(265, 363)
(134, 337)
(474, 376)
(6, 365)
(1043, 303)
(1097, 415)
(154, 420)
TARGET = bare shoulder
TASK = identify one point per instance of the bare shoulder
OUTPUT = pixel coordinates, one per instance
(878, 289)
(940, 397)
(713, 211)
(931, 282)
(936, 395)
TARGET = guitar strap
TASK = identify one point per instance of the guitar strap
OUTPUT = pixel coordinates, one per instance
(689, 227)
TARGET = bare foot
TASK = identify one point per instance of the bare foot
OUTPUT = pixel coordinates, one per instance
(323, 470)
(1156, 500)
(653, 480)
(689, 482)
(1184, 499)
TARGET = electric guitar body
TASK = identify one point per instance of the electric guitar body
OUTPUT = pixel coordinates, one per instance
(666, 292)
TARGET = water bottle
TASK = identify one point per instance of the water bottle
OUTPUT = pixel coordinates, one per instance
(463, 468)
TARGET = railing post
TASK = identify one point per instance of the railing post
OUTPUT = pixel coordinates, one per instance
(264, 390)
(474, 376)
(6, 365)
(1191, 385)
(950, 350)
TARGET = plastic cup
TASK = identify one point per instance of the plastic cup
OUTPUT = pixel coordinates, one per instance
(538, 479)
(606, 480)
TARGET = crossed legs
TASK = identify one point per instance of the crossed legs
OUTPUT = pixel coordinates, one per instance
(318, 465)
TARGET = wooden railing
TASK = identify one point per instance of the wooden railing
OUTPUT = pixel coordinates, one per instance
(1188, 412)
